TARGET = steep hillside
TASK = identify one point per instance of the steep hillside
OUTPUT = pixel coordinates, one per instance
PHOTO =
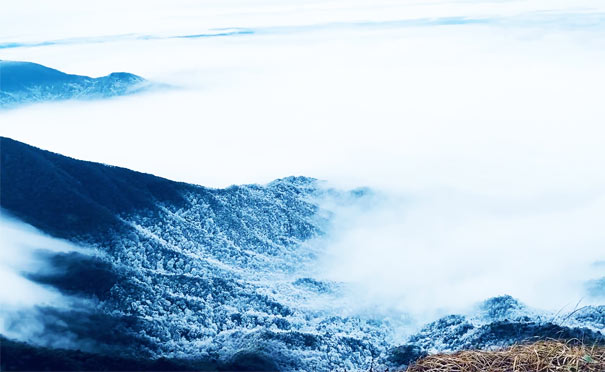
(224, 277)
(181, 270)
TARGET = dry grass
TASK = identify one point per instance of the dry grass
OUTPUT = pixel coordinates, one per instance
(542, 356)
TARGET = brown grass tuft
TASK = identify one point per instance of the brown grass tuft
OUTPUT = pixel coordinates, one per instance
(542, 356)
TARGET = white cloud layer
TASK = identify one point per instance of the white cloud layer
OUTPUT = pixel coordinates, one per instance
(21, 246)
(492, 132)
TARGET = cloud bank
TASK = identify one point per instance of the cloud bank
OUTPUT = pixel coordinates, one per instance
(486, 137)
(24, 303)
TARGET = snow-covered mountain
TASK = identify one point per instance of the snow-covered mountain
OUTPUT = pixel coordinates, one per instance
(498, 322)
(26, 82)
(183, 270)
(219, 276)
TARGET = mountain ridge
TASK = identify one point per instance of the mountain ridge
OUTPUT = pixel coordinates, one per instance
(226, 276)
(28, 82)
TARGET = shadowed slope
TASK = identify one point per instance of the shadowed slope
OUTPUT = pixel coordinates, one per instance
(19, 356)
(67, 197)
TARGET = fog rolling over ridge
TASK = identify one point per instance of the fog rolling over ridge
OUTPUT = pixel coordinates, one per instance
(241, 276)
(187, 271)
(41, 276)
(302, 185)
(437, 254)
(21, 245)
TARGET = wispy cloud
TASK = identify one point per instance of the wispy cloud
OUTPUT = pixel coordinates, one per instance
(544, 19)
(23, 253)
(115, 38)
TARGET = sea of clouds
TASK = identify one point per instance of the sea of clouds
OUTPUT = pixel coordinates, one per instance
(479, 124)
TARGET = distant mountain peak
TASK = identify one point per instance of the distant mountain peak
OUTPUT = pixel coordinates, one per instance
(28, 82)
